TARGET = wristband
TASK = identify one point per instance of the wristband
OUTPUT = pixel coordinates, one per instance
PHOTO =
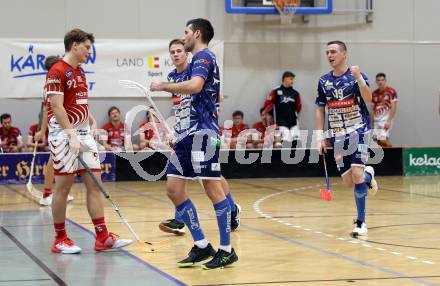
(361, 82)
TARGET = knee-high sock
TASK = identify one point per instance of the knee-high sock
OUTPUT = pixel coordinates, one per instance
(367, 177)
(360, 196)
(177, 217)
(188, 213)
(231, 201)
(223, 213)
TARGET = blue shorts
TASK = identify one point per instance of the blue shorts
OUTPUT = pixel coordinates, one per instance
(351, 150)
(195, 157)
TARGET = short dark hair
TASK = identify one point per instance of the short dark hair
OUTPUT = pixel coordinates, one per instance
(175, 42)
(261, 110)
(204, 26)
(50, 61)
(4, 116)
(341, 44)
(288, 74)
(113, 108)
(381, 74)
(76, 36)
(238, 113)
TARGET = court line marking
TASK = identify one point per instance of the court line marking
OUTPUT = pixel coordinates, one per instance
(127, 253)
(321, 250)
(34, 258)
(138, 259)
(289, 282)
(257, 209)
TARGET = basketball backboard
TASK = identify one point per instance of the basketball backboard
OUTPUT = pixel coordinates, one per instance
(307, 7)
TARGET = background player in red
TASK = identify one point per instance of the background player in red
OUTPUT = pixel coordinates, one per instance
(285, 101)
(115, 137)
(238, 140)
(152, 133)
(384, 109)
(42, 145)
(11, 140)
(265, 127)
(70, 137)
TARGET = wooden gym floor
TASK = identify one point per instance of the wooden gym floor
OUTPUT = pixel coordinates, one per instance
(288, 236)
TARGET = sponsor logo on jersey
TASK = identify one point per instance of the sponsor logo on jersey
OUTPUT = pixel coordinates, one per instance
(328, 84)
(69, 74)
(215, 167)
(53, 81)
(341, 103)
(202, 61)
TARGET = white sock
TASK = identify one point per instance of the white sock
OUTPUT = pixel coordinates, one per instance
(227, 248)
(201, 243)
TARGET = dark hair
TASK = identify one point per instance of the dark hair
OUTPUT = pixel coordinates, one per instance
(175, 42)
(50, 61)
(4, 116)
(237, 113)
(76, 36)
(288, 74)
(381, 74)
(261, 110)
(339, 43)
(205, 28)
(113, 108)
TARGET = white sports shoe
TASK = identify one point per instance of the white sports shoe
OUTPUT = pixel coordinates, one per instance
(47, 201)
(372, 186)
(113, 241)
(65, 246)
(360, 231)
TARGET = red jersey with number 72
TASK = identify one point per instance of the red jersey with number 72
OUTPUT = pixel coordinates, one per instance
(64, 80)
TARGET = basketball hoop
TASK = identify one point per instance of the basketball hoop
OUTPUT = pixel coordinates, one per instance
(287, 9)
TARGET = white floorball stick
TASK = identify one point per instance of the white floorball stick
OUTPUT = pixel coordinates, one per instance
(135, 85)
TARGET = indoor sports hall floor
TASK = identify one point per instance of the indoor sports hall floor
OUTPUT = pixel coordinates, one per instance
(288, 236)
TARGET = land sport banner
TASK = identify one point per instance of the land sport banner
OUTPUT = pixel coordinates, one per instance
(421, 161)
(15, 168)
(22, 72)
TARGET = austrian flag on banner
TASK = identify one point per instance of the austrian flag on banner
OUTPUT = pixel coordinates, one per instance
(22, 72)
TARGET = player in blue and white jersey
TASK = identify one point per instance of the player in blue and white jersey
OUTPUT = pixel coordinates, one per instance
(196, 152)
(344, 91)
(181, 107)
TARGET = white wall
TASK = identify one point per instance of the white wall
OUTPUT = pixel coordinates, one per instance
(404, 44)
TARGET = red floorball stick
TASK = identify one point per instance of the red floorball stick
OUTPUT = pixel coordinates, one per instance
(326, 194)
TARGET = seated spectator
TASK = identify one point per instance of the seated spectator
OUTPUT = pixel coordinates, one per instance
(234, 136)
(267, 135)
(114, 137)
(285, 102)
(153, 135)
(384, 109)
(42, 145)
(11, 140)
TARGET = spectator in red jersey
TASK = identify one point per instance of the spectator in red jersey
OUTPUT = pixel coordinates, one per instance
(234, 136)
(11, 140)
(153, 135)
(384, 109)
(42, 145)
(266, 137)
(285, 102)
(114, 137)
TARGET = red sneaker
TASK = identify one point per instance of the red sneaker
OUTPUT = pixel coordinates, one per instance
(111, 242)
(65, 245)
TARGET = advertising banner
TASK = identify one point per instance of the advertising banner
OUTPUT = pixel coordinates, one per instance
(22, 71)
(15, 168)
